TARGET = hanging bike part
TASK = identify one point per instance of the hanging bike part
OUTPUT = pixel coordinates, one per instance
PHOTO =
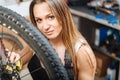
(15, 29)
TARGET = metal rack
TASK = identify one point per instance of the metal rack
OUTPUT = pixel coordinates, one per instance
(85, 12)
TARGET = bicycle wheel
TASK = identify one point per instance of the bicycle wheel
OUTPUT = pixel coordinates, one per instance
(36, 40)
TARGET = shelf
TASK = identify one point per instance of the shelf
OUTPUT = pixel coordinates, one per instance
(85, 12)
(104, 51)
(86, 16)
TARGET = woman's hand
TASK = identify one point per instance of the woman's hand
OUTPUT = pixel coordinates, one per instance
(15, 59)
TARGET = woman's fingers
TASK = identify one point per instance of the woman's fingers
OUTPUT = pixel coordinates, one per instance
(13, 57)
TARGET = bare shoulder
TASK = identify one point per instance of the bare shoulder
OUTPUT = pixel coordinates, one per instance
(86, 62)
(86, 52)
(86, 58)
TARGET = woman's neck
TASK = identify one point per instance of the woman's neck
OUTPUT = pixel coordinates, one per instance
(59, 46)
(56, 42)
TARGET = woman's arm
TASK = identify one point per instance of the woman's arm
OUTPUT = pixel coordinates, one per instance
(86, 63)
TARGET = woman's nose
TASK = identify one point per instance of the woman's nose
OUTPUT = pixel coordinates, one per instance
(46, 25)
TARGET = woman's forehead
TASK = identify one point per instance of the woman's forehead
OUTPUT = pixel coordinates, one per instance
(41, 8)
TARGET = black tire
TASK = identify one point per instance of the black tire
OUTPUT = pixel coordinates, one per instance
(36, 40)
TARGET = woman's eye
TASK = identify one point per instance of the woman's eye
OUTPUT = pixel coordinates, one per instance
(38, 20)
(51, 17)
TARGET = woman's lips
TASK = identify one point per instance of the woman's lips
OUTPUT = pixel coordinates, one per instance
(48, 32)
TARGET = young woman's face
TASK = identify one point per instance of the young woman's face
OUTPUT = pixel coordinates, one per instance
(46, 21)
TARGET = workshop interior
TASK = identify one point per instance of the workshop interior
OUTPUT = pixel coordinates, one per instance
(99, 23)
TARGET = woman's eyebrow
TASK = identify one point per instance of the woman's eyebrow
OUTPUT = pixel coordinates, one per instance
(49, 14)
(37, 18)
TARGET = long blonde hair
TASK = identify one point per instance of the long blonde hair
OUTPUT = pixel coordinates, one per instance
(69, 33)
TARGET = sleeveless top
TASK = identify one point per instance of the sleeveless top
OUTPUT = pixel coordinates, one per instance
(69, 66)
(41, 74)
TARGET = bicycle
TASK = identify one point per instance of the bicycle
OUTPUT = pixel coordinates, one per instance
(18, 30)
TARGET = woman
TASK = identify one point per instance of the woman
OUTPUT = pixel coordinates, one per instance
(54, 20)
